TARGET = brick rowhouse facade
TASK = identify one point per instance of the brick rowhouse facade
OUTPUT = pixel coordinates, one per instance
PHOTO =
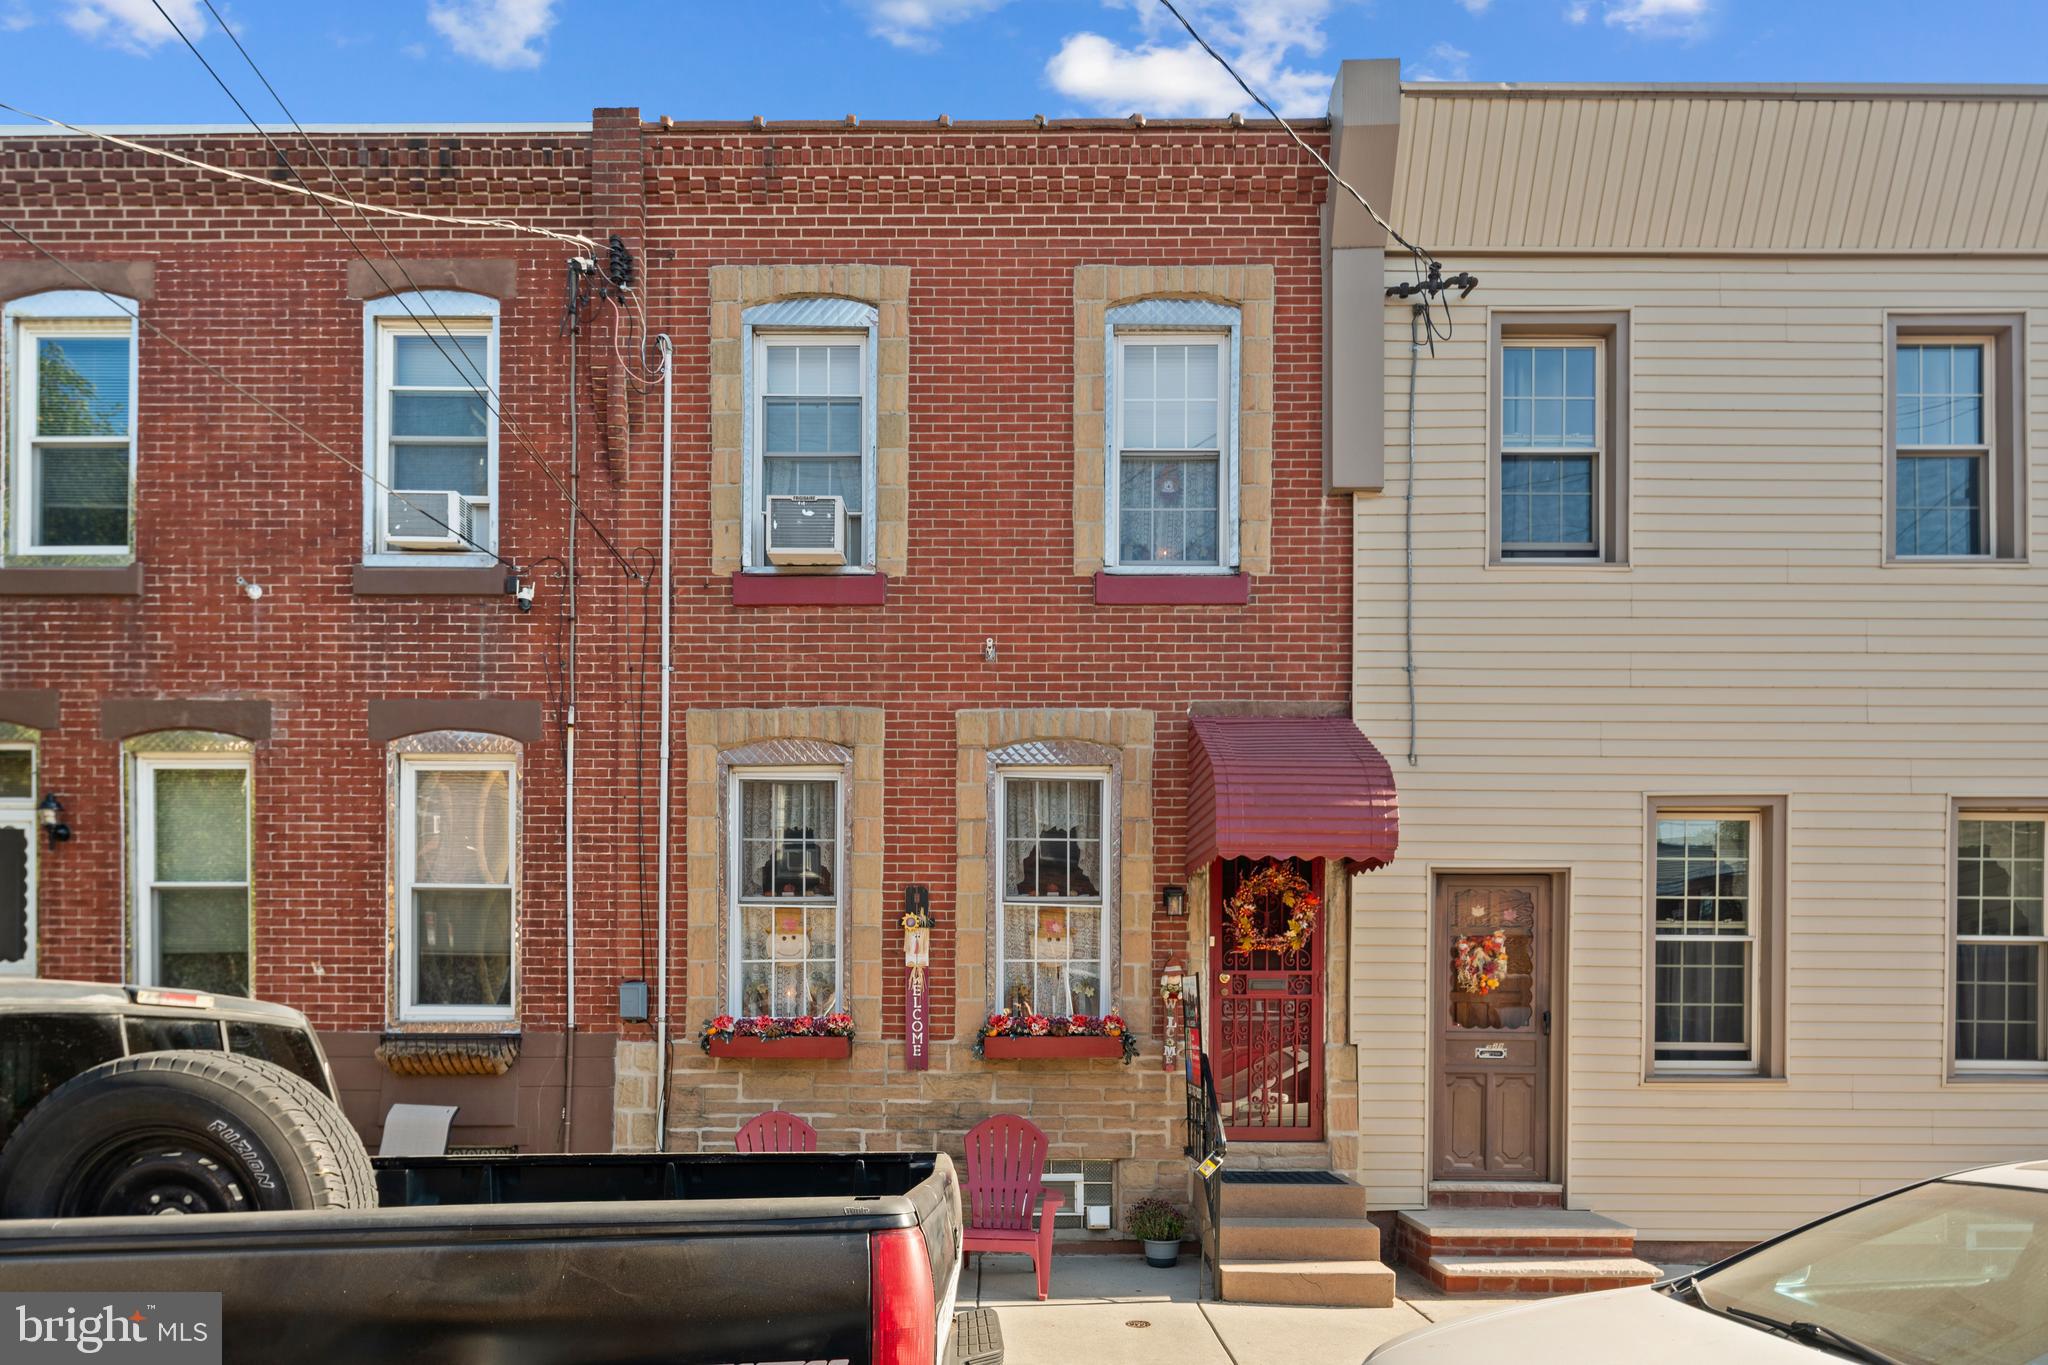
(989, 252)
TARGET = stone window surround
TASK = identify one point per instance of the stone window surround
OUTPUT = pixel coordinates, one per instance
(1120, 739)
(736, 288)
(716, 736)
(1249, 289)
(461, 743)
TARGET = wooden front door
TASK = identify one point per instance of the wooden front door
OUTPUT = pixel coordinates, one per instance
(1267, 1049)
(1491, 1031)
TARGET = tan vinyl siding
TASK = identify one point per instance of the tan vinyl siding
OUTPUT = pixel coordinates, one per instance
(1723, 170)
(1755, 643)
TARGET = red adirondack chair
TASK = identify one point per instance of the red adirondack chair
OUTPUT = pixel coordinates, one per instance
(776, 1131)
(1005, 1178)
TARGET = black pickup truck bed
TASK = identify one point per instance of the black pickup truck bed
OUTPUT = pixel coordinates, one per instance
(533, 1260)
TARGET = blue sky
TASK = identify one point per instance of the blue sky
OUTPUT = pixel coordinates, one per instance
(382, 61)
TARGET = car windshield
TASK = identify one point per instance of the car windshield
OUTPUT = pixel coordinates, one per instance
(1941, 1274)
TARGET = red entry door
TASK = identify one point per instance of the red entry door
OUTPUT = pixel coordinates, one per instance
(1267, 1047)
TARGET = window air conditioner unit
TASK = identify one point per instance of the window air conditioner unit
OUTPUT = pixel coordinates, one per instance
(806, 530)
(436, 520)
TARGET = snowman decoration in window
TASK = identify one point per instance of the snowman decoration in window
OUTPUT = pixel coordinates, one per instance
(796, 870)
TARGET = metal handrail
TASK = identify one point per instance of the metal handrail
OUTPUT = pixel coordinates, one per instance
(1205, 1145)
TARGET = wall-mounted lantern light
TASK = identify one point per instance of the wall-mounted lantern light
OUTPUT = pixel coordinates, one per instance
(1173, 901)
(50, 812)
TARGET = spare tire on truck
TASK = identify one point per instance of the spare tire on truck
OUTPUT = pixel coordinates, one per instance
(183, 1132)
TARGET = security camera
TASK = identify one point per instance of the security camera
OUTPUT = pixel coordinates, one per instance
(525, 596)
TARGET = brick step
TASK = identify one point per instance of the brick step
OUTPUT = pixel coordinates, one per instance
(1345, 1200)
(1554, 1234)
(1494, 1276)
(1327, 1284)
(1299, 1239)
(1495, 1194)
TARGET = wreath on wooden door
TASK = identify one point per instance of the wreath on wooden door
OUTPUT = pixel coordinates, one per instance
(1480, 962)
(1274, 881)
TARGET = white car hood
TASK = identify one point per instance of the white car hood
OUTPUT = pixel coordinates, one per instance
(1617, 1327)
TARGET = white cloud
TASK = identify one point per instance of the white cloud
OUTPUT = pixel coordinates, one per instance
(1660, 18)
(132, 25)
(498, 33)
(1447, 63)
(1476, 6)
(16, 19)
(1168, 75)
(1578, 11)
(910, 23)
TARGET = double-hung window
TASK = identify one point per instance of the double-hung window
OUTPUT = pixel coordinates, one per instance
(1944, 485)
(811, 380)
(17, 852)
(191, 887)
(1171, 478)
(2001, 943)
(72, 443)
(1551, 440)
(457, 892)
(432, 426)
(1706, 916)
(787, 892)
(1053, 934)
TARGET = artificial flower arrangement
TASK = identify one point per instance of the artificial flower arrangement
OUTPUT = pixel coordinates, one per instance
(1021, 1023)
(1481, 963)
(1275, 881)
(727, 1027)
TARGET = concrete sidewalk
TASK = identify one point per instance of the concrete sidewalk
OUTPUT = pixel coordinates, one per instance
(1116, 1310)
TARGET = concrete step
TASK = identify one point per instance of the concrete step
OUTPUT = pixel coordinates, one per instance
(1242, 1199)
(1494, 1276)
(1555, 1234)
(1300, 1239)
(1327, 1284)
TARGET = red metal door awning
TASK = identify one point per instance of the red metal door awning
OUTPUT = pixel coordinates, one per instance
(1288, 787)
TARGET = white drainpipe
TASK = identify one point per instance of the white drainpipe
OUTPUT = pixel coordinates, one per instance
(666, 587)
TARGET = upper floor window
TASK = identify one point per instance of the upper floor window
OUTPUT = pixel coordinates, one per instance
(457, 903)
(787, 892)
(1053, 928)
(811, 434)
(1942, 443)
(1172, 469)
(432, 430)
(1957, 485)
(191, 852)
(1550, 477)
(2001, 943)
(1560, 468)
(71, 447)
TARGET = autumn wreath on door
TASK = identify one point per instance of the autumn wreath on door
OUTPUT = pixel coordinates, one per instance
(1479, 962)
(1273, 882)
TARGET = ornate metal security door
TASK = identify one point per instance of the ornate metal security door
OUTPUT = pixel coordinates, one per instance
(1268, 1042)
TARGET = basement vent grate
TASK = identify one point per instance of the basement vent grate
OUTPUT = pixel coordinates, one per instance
(1231, 1177)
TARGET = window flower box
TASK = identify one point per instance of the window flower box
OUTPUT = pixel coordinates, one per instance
(820, 1037)
(1017, 1035)
(782, 1049)
(999, 1048)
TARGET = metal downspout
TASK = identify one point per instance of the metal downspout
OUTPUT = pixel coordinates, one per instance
(569, 751)
(661, 785)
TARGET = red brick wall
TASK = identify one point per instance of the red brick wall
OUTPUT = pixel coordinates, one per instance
(991, 222)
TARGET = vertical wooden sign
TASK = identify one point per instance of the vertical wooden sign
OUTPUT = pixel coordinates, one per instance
(917, 961)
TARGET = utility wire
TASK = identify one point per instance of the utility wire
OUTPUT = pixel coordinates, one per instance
(501, 224)
(458, 363)
(1419, 253)
(221, 375)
